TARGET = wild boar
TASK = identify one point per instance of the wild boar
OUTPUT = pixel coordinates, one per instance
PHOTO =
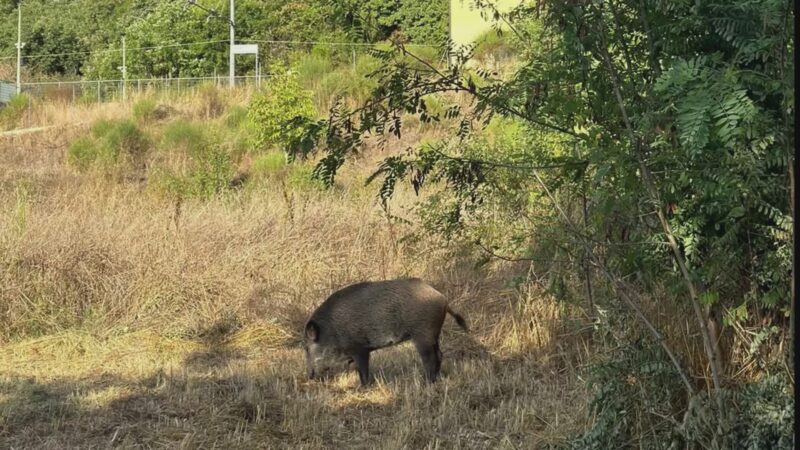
(367, 316)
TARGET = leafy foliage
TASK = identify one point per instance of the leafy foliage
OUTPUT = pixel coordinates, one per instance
(81, 38)
(642, 121)
(271, 112)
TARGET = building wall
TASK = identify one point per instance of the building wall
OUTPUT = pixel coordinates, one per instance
(466, 23)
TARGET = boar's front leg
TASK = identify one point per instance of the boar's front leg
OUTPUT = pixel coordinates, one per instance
(361, 359)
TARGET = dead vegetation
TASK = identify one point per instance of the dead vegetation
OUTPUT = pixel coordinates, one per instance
(131, 319)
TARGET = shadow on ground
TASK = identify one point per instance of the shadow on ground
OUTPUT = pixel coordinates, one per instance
(223, 397)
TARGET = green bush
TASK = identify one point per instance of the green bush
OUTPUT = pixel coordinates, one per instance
(328, 77)
(112, 142)
(491, 44)
(81, 153)
(101, 127)
(273, 109)
(209, 168)
(13, 112)
(124, 140)
(311, 67)
(638, 386)
(211, 174)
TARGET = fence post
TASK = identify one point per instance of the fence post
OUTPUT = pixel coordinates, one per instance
(98, 91)
(73, 93)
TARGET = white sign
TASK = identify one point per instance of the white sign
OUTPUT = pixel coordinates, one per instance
(245, 49)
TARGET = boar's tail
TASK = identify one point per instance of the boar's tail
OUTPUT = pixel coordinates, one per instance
(459, 320)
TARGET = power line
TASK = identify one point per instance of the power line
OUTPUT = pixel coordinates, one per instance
(117, 50)
(186, 44)
(350, 44)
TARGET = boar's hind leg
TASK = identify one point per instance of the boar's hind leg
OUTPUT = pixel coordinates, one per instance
(431, 360)
(362, 364)
(438, 358)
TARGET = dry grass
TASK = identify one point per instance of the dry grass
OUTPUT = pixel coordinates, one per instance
(129, 320)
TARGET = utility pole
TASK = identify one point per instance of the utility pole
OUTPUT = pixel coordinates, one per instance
(19, 46)
(124, 71)
(232, 24)
(232, 56)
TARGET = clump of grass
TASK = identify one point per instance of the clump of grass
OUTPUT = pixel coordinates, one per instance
(144, 110)
(113, 143)
(81, 153)
(196, 162)
(186, 136)
(14, 111)
(329, 81)
(148, 110)
(210, 102)
(268, 164)
(101, 127)
(124, 138)
(300, 177)
(236, 117)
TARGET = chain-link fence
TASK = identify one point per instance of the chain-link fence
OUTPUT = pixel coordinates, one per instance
(95, 91)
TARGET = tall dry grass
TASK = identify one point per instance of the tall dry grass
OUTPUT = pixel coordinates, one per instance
(132, 320)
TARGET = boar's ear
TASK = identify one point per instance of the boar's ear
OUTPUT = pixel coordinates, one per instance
(312, 331)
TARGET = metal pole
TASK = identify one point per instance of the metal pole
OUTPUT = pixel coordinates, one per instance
(231, 62)
(124, 72)
(19, 47)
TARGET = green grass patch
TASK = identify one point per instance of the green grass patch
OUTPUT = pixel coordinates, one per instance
(236, 117)
(183, 135)
(112, 142)
(12, 113)
(268, 164)
(144, 110)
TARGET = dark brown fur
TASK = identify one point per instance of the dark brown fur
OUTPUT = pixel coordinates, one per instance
(368, 316)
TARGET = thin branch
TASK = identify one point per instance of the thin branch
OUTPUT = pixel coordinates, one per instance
(654, 197)
(618, 288)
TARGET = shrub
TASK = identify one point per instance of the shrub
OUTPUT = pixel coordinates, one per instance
(638, 387)
(211, 173)
(111, 143)
(207, 167)
(81, 153)
(272, 110)
(124, 139)
(492, 45)
(311, 67)
(13, 112)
